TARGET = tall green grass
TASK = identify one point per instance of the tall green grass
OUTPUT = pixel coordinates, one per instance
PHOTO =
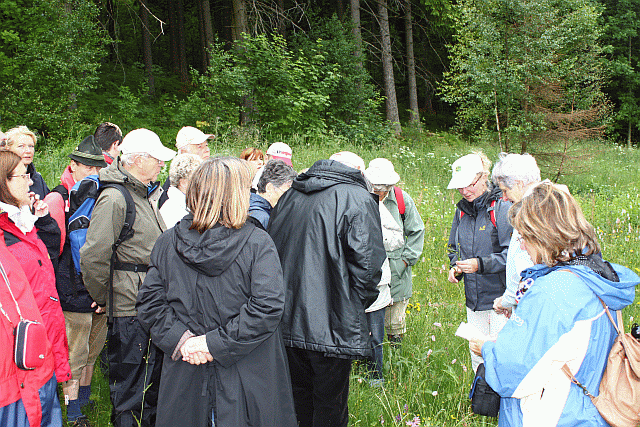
(429, 376)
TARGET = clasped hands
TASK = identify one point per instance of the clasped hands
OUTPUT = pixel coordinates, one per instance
(195, 351)
(467, 266)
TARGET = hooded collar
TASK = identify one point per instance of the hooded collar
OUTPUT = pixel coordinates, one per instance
(613, 283)
(327, 173)
(213, 251)
(67, 179)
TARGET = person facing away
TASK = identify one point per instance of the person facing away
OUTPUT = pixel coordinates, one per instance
(134, 364)
(274, 181)
(383, 177)
(213, 301)
(175, 208)
(108, 136)
(327, 230)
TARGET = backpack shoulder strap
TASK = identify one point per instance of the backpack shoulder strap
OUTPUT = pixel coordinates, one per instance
(400, 200)
(130, 213)
(62, 190)
(492, 213)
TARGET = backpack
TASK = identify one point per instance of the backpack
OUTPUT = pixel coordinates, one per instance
(82, 200)
(619, 399)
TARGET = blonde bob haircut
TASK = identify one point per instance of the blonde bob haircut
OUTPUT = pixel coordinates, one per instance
(552, 223)
(218, 192)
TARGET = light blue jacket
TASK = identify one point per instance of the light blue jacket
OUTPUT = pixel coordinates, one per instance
(559, 320)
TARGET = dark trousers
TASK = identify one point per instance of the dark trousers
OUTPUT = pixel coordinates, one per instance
(376, 326)
(134, 373)
(320, 388)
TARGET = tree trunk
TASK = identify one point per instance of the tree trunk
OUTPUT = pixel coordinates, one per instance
(182, 56)
(146, 47)
(240, 27)
(280, 19)
(630, 97)
(208, 30)
(414, 115)
(357, 29)
(340, 10)
(387, 69)
(173, 36)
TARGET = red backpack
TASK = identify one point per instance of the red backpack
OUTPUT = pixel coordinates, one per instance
(492, 213)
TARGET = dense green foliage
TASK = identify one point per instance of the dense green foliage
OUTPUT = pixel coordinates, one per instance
(48, 57)
(521, 68)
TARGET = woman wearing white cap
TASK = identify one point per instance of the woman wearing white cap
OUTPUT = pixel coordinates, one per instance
(478, 243)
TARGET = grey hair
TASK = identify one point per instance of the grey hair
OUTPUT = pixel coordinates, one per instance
(182, 166)
(382, 187)
(277, 173)
(129, 158)
(515, 167)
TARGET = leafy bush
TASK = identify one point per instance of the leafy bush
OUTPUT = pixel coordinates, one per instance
(50, 56)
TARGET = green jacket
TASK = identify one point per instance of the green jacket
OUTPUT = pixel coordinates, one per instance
(105, 226)
(401, 284)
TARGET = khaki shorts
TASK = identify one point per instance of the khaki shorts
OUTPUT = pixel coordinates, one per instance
(395, 318)
(86, 333)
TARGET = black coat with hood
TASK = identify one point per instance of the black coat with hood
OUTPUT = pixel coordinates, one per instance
(473, 235)
(328, 234)
(227, 284)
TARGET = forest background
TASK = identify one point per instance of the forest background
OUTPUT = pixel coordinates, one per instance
(420, 82)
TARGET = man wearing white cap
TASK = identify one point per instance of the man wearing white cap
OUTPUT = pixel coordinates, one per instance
(190, 140)
(134, 364)
(383, 177)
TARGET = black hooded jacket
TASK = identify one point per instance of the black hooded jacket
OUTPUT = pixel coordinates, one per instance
(328, 234)
(227, 284)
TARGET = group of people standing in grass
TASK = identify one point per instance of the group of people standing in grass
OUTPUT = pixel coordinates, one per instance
(537, 287)
(239, 299)
(240, 291)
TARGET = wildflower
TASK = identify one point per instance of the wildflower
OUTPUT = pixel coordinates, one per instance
(398, 418)
(453, 362)
(414, 423)
(431, 351)
(406, 408)
(359, 380)
(381, 420)
(438, 324)
(433, 337)
(464, 368)
(434, 393)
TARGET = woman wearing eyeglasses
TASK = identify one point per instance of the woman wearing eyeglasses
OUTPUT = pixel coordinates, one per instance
(478, 243)
(25, 225)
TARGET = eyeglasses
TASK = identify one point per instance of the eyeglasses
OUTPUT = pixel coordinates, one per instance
(472, 184)
(26, 176)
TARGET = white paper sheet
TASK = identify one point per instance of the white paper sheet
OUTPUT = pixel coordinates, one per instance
(471, 332)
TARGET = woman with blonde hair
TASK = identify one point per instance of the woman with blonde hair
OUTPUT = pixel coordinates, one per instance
(560, 319)
(21, 141)
(478, 243)
(212, 300)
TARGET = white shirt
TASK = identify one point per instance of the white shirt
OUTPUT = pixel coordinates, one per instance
(175, 208)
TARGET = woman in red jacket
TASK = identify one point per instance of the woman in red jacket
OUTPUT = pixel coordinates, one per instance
(27, 398)
(23, 232)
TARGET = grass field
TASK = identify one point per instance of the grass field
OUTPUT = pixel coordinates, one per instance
(428, 378)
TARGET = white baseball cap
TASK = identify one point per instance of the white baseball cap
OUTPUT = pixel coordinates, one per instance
(280, 151)
(146, 141)
(350, 159)
(464, 171)
(381, 172)
(189, 135)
